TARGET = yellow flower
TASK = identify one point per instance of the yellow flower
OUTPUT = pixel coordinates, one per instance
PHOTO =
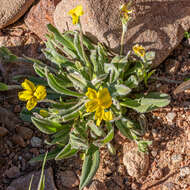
(125, 12)
(98, 102)
(139, 50)
(32, 94)
(76, 13)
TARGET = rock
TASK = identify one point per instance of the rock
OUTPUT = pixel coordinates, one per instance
(176, 158)
(158, 25)
(11, 11)
(96, 185)
(136, 162)
(68, 179)
(158, 174)
(17, 139)
(3, 131)
(135, 186)
(40, 15)
(23, 182)
(171, 66)
(185, 171)
(3, 40)
(24, 132)
(36, 142)
(170, 116)
(13, 172)
(17, 109)
(169, 186)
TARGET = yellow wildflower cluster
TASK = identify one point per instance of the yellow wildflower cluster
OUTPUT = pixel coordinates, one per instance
(139, 50)
(99, 101)
(76, 13)
(125, 12)
(32, 94)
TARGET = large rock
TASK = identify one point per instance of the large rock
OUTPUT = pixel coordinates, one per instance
(23, 182)
(136, 162)
(40, 15)
(12, 10)
(158, 25)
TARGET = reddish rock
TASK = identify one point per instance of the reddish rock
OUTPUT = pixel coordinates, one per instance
(158, 25)
(96, 185)
(23, 182)
(3, 131)
(17, 139)
(13, 172)
(67, 179)
(11, 11)
(136, 162)
(24, 132)
(40, 15)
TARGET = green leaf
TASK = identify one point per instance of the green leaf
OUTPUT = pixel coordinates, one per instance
(111, 149)
(132, 82)
(41, 184)
(122, 90)
(6, 55)
(51, 155)
(110, 134)
(112, 70)
(124, 129)
(66, 152)
(143, 145)
(77, 142)
(97, 130)
(90, 166)
(147, 103)
(78, 45)
(26, 115)
(3, 87)
(39, 70)
(46, 126)
(150, 55)
(56, 86)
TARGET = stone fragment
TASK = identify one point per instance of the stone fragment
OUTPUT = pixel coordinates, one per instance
(169, 186)
(13, 172)
(40, 15)
(11, 11)
(17, 139)
(172, 66)
(185, 171)
(158, 25)
(22, 183)
(136, 162)
(36, 142)
(170, 116)
(3, 131)
(68, 179)
(158, 174)
(176, 158)
(24, 132)
(96, 185)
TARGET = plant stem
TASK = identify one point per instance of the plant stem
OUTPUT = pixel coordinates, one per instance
(124, 29)
(48, 101)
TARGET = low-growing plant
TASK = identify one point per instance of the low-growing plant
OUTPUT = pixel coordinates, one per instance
(96, 87)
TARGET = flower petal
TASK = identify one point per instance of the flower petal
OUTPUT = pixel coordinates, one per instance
(91, 94)
(31, 103)
(25, 95)
(99, 115)
(28, 85)
(40, 92)
(104, 98)
(139, 50)
(75, 13)
(91, 106)
(108, 116)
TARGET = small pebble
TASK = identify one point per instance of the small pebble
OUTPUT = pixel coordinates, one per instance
(17, 139)
(176, 158)
(3, 131)
(170, 117)
(185, 171)
(158, 174)
(36, 142)
(13, 172)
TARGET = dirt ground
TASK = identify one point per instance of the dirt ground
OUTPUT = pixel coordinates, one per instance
(168, 127)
